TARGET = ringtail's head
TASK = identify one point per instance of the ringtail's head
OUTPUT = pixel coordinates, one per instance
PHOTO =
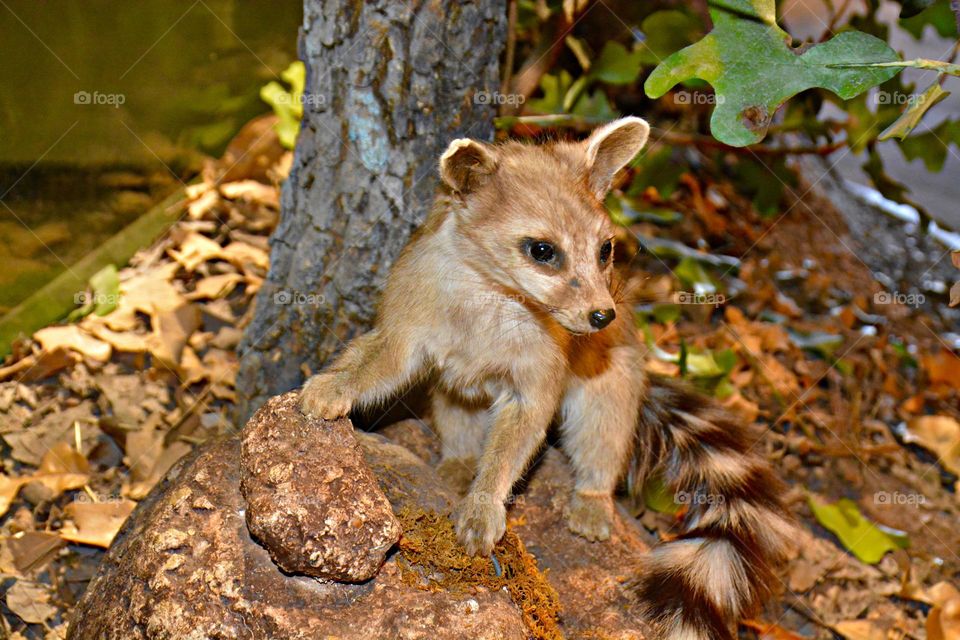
(531, 217)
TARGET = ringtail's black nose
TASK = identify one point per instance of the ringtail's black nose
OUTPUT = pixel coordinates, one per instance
(602, 317)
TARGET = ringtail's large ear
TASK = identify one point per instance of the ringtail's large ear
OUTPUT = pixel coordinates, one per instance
(466, 164)
(611, 147)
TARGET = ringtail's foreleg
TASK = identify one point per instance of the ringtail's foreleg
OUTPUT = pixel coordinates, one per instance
(373, 367)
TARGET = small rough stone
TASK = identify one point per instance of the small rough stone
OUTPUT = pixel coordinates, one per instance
(311, 499)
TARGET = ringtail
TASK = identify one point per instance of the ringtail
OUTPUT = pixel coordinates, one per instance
(505, 297)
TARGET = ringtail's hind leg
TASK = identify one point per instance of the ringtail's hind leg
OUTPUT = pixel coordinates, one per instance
(462, 428)
(598, 421)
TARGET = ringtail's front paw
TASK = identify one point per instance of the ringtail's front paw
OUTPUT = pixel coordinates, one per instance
(481, 521)
(591, 515)
(325, 396)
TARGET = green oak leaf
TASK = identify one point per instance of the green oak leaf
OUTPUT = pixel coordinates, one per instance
(919, 105)
(748, 59)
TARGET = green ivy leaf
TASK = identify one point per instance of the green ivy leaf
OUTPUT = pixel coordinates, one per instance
(753, 69)
(857, 534)
(919, 105)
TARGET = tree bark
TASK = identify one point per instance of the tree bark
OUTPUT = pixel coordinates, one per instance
(389, 85)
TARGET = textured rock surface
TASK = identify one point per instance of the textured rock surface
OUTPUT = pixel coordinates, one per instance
(185, 566)
(311, 499)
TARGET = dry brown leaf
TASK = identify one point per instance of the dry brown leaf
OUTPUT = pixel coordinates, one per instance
(125, 341)
(939, 434)
(150, 292)
(70, 336)
(780, 378)
(220, 367)
(29, 445)
(747, 409)
(30, 601)
(242, 255)
(61, 469)
(62, 458)
(217, 366)
(860, 630)
(196, 249)
(767, 631)
(227, 338)
(203, 204)
(251, 191)
(171, 329)
(219, 309)
(662, 368)
(194, 191)
(943, 367)
(95, 523)
(955, 294)
(943, 621)
(168, 456)
(39, 366)
(215, 286)
(126, 395)
(31, 550)
(9, 487)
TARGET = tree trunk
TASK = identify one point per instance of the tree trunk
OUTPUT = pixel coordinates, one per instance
(389, 85)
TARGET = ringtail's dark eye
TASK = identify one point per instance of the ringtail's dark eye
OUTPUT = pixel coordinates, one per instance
(605, 250)
(541, 251)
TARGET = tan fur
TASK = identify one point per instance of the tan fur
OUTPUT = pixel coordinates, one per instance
(509, 340)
